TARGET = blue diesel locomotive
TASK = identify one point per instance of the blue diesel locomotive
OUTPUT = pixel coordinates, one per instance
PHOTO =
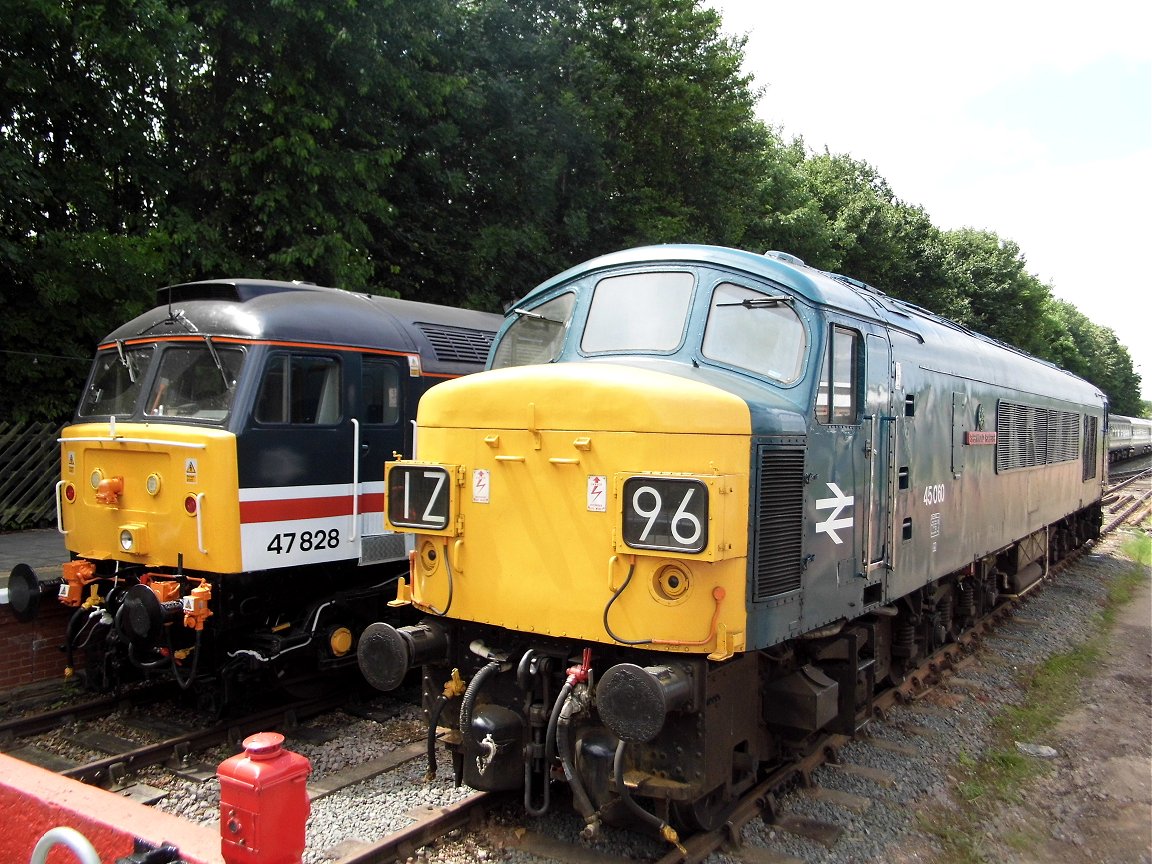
(702, 504)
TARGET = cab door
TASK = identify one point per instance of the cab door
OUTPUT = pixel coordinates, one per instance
(385, 400)
(838, 466)
(879, 433)
(851, 474)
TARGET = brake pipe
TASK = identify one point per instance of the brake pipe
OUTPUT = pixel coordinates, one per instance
(576, 703)
(666, 831)
(469, 700)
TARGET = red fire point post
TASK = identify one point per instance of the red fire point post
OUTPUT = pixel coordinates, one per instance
(263, 802)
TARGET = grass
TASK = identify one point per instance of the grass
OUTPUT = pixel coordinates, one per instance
(986, 784)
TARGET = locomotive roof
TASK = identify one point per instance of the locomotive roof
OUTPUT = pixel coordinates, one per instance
(1003, 363)
(449, 340)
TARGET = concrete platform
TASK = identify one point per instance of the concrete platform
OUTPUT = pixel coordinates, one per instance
(43, 550)
(30, 651)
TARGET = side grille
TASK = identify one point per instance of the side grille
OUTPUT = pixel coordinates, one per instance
(1091, 434)
(779, 522)
(455, 344)
(1028, 436)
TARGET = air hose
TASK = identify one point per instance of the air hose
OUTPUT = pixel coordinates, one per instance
(466, 704)
(666, 831)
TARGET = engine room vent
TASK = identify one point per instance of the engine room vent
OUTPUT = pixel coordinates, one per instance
(779, 520)
(1028, 436)
(456, 344)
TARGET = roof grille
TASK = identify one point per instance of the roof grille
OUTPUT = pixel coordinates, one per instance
(456, 344)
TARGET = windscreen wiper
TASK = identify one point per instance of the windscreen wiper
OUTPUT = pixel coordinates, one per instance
(216, 360)
(760, 302)
(527, 314)
(124, 360)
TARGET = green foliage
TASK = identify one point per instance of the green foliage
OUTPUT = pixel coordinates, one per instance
(455, 152)
(287, 130)
(1139, 549)
(80, 172)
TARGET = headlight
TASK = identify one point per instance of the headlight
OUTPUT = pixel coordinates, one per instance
(134, 539)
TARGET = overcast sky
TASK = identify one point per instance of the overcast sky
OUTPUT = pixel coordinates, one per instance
(1032, 120)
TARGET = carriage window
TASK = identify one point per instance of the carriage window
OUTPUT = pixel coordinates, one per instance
(117, 379)
(838, 378)
(537, 334)
(638, 312)
(195, 381)
(755, 331)
(301, 389)
(381, 388)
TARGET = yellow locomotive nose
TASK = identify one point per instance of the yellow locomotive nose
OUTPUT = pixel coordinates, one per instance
(135, 503)
(652, 523)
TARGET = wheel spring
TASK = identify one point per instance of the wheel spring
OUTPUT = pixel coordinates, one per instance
(942, 619)
(904, 640)
(966, 602)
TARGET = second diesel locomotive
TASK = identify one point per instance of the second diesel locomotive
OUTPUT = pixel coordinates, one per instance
(221, 488)
(704, 502)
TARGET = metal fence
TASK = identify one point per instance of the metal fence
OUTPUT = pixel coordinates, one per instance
(29, 469)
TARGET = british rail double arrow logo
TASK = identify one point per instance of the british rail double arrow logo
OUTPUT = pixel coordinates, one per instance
(837, 504)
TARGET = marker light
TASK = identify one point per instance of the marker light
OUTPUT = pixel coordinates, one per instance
(95, 478)
(190, 505)
(152, 484)
(69, 492)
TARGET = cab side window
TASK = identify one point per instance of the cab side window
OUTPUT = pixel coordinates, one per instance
(836, 399)
(300, 389)
(380, 381)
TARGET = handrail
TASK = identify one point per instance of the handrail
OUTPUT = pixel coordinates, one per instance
(59, 509)
(120, 439)
(355, 479)
(200, 523)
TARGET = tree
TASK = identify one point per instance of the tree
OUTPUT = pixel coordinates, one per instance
(81, 173)
(288, 130)
(1005, 301)
(684, 146)
(1095, 354)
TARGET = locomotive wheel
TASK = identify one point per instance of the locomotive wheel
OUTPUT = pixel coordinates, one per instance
(707, 813)
(898, 671)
